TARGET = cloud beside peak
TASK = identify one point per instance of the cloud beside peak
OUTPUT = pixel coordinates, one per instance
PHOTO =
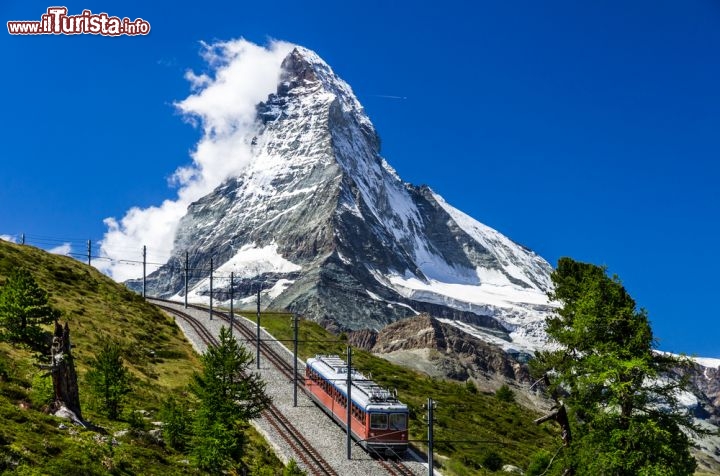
(222, 102)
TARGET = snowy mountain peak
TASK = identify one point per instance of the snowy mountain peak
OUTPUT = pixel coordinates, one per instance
(328, 229)
(304, 72)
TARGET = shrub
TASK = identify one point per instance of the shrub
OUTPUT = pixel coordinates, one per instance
(504, 394)
(492, 461)
(538, 463)
(42, 392)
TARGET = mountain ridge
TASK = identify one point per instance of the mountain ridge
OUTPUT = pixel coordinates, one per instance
(344, 240)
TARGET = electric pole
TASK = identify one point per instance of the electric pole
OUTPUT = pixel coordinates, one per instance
(89, 250)
(144, 269)
(349, 401)
(430, 405)
(257, 348)
(187, 277)
(211, 283)
(232, 297)
(295, 353)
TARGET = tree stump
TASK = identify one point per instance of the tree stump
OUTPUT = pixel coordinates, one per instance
(63, 373)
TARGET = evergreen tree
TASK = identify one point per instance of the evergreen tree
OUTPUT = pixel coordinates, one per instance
(229, 395)
(505, 393)
(24, 308)
(216, 445)
(109, 380)
(176, 423)
(622, 406)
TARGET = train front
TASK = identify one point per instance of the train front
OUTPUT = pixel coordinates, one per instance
(387, 427)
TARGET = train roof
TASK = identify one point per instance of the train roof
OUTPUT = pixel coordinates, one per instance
(365, 392)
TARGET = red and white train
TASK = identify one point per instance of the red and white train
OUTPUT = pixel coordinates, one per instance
(379, 420)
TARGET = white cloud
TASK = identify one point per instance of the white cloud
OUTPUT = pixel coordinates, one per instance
(223, 100)
(65, 249)
(9, 238)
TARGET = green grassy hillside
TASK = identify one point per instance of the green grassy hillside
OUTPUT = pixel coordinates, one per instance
(157, 354)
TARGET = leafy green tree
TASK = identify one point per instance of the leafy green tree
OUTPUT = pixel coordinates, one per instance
(109, 379)
(229, 395)
(622, 406)
(24, 308)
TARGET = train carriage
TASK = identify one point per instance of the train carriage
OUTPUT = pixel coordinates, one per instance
(379, 421)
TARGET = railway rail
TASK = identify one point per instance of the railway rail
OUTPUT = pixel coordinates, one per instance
(392, 466)
(304, 450)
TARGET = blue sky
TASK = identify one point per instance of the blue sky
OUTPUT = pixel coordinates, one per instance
(577, 129)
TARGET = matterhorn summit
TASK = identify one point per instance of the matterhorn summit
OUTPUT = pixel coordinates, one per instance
(324, 227)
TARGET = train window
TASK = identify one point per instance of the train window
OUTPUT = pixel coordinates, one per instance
(378, 421)
(398, 421)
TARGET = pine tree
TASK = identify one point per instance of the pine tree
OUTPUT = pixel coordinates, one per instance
(109, 380)
(176, 423)
(230, 395)
(226, 387)
(622, 406)
(24, 308)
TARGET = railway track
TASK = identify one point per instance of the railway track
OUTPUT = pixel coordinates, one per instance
(279, 361)
(303, 449)
(393, 467)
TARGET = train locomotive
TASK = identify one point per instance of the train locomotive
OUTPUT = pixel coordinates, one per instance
(379, 421)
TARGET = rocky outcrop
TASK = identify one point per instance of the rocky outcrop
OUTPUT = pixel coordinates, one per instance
(705, 383)
(455, 354)
(363, 339)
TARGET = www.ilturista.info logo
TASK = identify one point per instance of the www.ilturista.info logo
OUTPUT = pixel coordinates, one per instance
(57, 22)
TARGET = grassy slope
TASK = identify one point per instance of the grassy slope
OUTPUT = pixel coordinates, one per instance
(461, 415)
(156, 352)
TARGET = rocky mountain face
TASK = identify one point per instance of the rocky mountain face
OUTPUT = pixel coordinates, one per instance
(705, 382)
(326, 228)
(448, 351)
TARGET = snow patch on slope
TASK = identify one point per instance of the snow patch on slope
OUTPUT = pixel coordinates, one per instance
(251, 261)
(707, 362)
(519, 262)
(248, 262)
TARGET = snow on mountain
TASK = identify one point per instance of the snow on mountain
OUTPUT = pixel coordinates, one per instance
(326, 227)
(708, 362)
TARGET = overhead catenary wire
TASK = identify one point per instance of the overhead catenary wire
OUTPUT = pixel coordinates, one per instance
(42, 241)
